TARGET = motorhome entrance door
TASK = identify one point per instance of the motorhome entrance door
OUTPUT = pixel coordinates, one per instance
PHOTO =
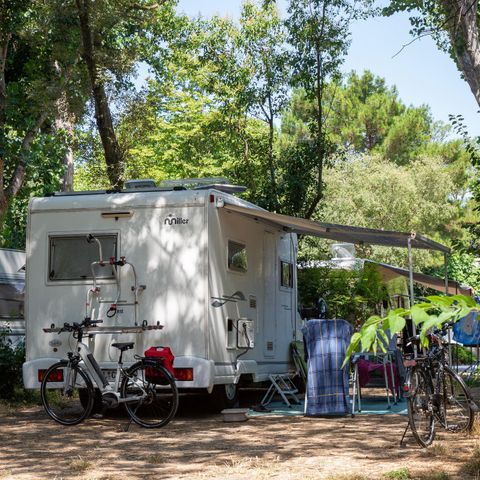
(269, 294)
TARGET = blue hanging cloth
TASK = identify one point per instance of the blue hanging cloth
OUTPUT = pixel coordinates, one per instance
(467, 330)
(326, 342)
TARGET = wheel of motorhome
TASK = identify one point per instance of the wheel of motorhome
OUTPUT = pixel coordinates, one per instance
(61, 397)
(224, 396)
(151, 393)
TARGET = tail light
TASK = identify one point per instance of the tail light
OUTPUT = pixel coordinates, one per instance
(184, 374)
(55, 376)
(406, 388)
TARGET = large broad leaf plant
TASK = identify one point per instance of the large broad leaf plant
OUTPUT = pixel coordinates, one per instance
(433, 312)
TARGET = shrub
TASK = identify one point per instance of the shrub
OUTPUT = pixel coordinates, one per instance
(11, 360)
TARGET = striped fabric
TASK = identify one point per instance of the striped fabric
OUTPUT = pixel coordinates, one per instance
(326, 342)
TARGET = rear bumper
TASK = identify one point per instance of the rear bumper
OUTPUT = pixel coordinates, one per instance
(203, 371)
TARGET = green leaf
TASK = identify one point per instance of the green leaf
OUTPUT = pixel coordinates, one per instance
(419, 315)
(397, 323)
(426, 326)
(368, 336)
(467, 301)
(441, 300)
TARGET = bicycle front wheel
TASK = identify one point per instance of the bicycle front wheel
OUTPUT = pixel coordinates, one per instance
(151, 394)
(420, 411)
(67, 393)
(459, 415)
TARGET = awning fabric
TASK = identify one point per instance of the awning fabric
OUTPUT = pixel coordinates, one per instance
(342, 233)
(389, 272)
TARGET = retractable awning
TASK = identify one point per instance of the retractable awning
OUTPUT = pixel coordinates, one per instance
(342, 233)
(389, 272)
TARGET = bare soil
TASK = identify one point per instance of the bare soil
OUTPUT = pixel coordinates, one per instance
(201, 446)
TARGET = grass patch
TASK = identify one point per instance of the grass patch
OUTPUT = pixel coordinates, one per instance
(20, 398)
(155, 459)
(79, 465)
(402, 474)
(436, 450)
(472, 466)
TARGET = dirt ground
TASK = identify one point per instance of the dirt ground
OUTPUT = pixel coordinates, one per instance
(202, 446)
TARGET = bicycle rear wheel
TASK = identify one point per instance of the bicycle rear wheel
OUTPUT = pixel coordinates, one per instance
(420, 412)
(151, 393)
(61, 394)
(459, 415)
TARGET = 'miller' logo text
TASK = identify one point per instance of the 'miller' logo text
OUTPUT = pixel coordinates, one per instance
(171, 220)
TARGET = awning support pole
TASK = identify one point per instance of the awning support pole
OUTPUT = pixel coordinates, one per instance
(449, 333)
(410, 278)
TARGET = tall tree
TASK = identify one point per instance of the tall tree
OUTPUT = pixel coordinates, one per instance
(318, 35)
(112, 34)
(262, 42)
(37, 67)
(454, 24)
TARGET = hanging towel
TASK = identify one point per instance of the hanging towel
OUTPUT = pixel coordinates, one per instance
(326, 342)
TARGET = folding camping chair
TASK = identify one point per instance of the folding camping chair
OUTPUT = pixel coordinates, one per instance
(298, 354)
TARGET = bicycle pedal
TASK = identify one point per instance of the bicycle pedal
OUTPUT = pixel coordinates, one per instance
(98, 416)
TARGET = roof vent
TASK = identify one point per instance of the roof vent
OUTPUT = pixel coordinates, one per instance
(139, 184)
(343, 251)
(217, 183)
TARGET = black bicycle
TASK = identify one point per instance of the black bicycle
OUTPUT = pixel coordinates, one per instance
(436, 393)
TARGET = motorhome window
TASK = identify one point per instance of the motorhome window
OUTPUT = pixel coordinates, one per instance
(71, 257)
(286, 272)
(237, 257)
(11, 299)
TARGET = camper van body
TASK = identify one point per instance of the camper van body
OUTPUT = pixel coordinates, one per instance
(12, 290)
(222, 285)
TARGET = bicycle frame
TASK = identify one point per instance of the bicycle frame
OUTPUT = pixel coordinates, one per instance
(93, 369)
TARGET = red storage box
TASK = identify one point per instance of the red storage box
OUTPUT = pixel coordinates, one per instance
(165, 356)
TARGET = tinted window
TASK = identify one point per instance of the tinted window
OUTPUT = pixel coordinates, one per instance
(71, 257)
(237, 257)
(286, 274)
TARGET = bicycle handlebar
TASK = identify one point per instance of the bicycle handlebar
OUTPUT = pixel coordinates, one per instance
(75, 327)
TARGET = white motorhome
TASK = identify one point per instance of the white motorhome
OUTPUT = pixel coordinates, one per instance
(12, 290)
(221, 283)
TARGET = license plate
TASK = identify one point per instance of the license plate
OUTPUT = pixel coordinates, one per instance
(110, 375)
(409, 363)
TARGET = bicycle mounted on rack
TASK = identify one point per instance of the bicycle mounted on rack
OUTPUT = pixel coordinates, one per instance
(436, 393)
(147, 388)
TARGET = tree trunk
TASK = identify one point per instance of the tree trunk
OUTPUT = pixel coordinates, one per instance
(18, 177)
(3, 88)
(463, 31)
(111, 147)
(64, 121)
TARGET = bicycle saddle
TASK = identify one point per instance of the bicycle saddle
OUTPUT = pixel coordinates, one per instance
(123, 346)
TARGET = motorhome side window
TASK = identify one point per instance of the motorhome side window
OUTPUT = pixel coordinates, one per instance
(70, 257)
(237, 257)
(286, 274)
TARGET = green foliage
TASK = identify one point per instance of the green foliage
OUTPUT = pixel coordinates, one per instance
(462, 267)
(462, 355)
(353, 295)
(373, 192)
(11, 360)
(402, 474)
(434, 312)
